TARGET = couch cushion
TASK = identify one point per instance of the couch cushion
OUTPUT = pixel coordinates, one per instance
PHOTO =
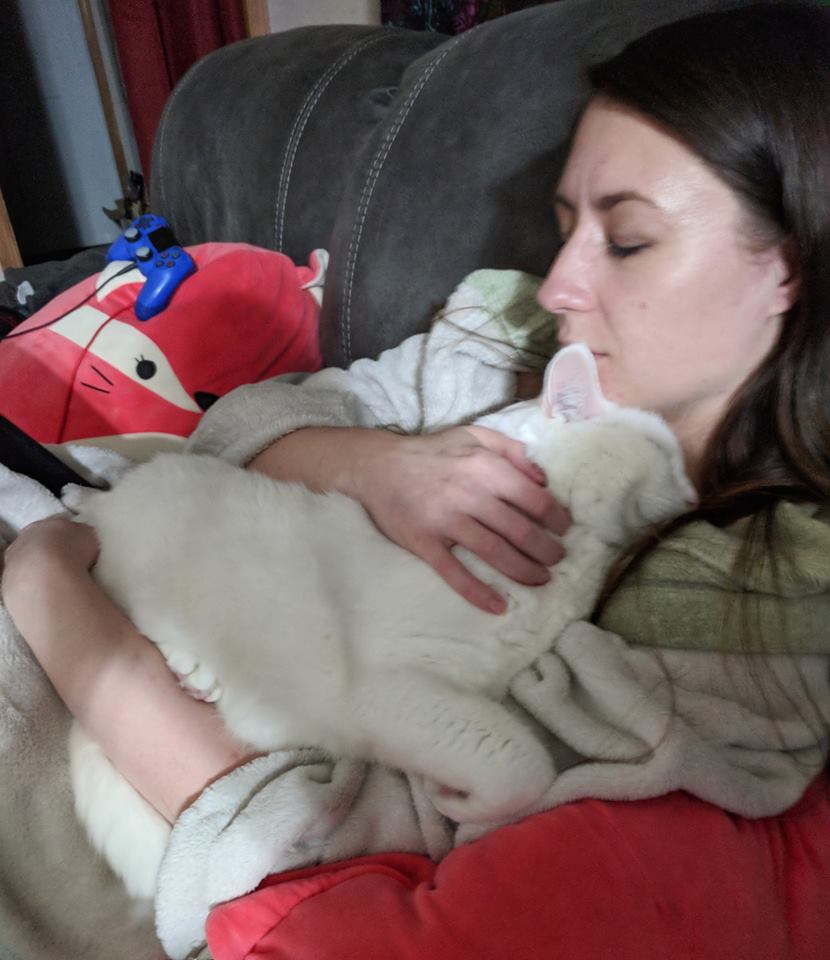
(258, 138)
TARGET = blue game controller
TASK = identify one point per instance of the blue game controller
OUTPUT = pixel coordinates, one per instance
(151, 245)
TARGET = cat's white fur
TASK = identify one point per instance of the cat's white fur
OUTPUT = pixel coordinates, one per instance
(320, 631)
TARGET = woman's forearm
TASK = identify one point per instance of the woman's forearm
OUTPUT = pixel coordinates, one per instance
(324, 459)
(118, 686)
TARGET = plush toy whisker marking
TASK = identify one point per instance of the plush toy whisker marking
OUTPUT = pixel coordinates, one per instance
(103, 376)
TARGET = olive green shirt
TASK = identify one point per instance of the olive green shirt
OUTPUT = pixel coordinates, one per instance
(685, 596)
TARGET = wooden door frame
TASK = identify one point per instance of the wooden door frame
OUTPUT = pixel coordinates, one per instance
(9, 251)
(257, 20)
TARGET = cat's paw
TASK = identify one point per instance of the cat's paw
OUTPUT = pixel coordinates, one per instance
(202, 685)
(495, 797)
(178, 661)
(447, 800)
(440, 791)
(75, 497)
(193, 678)
(465, 807)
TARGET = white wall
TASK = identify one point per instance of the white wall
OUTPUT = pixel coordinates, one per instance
(66, 81)
(109, 55)
(287, 14)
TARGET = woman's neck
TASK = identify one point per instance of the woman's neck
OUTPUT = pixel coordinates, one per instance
(694, 430)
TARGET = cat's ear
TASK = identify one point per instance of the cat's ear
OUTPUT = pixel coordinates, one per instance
(572, 390)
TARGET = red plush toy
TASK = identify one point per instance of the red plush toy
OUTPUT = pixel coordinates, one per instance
(99, 375)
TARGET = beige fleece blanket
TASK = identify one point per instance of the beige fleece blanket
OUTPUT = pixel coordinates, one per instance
(58, 901)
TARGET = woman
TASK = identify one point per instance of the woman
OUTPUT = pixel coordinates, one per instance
(697, 236)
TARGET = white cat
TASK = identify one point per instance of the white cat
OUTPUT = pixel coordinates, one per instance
(320, 631)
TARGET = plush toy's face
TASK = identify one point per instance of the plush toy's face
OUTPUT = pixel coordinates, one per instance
(96, 375)
(99, 375)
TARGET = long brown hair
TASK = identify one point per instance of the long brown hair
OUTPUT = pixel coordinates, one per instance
(748, 91)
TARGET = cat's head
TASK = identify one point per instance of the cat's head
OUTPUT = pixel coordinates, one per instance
(617, 469)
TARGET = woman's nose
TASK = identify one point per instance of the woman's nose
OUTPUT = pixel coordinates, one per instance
(568, 284)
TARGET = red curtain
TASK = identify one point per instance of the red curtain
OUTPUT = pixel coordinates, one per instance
(157, 41)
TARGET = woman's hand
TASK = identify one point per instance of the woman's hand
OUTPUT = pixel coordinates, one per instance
(468, 486)
(60, 536)
(44, 546)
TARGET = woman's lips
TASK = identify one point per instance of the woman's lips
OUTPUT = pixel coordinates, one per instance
(597, 354)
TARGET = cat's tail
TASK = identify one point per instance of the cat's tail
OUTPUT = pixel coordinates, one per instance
(120, 823)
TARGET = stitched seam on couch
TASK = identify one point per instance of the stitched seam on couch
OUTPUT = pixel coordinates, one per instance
(298, 128)
(186, 80)
(369, 187)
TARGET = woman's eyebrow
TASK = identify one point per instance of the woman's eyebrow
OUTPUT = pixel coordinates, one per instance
(607, 202)
(612, 199)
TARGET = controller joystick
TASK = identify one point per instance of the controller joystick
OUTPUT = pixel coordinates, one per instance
(151, 245)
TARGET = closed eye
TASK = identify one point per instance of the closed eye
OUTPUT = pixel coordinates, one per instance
(621, 252)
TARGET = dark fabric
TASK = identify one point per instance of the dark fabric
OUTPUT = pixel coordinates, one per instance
(448, 16)
(48, 279)
(312, 138)
(157, 43)
(19, 452)
(9, 317)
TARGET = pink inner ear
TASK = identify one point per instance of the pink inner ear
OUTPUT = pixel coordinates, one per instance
(572, 389)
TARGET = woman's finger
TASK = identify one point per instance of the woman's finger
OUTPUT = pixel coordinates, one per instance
(439, 556)
(557, 519)
(546, 509)
(530, 538)
(501, 555)
(513, 450)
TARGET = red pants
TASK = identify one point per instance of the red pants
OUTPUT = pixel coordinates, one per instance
(671, 878)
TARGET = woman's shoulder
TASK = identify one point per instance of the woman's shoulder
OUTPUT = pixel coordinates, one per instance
(682, 590)
(493, 315)
(797, 560)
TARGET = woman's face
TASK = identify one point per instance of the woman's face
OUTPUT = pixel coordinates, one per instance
(657, 275)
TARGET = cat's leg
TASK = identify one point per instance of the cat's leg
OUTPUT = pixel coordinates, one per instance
(121, 825)
(75, 497)
(489, 766)
(196, 679)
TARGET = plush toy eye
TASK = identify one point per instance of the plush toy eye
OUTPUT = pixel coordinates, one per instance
(145, 368)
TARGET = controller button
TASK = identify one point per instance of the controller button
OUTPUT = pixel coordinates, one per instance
(176, 254)
(131, 234)
(144, 253)
(170, 263)
(159, 263)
